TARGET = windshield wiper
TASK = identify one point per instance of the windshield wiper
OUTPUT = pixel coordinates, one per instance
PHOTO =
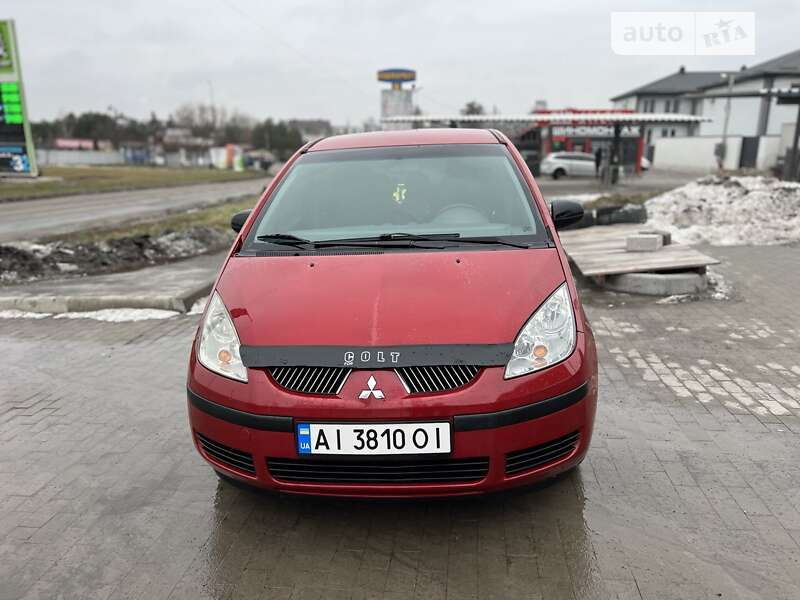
(391, 237)
(387, 240)
(286, 239)
(492, 241)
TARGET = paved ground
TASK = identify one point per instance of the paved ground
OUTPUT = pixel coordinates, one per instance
(171, 286)
(29, 219)
(653, 182)
(691, 488)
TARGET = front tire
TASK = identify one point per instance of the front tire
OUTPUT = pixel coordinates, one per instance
(558, 173)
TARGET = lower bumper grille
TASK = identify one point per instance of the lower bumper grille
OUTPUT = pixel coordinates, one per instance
(531, 458)
(236, 459)
(398, 472)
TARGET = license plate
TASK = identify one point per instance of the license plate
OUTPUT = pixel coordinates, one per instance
(373, 438)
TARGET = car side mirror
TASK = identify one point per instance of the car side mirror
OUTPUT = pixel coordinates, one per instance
(565, 212)
(237, 220)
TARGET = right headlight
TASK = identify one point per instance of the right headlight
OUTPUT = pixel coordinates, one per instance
(219, 342)
(547, 338)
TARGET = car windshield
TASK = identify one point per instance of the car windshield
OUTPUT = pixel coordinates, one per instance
(466, 191)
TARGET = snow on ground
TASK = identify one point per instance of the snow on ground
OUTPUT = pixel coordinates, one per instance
(579, 198)
(120, 315)
(198, 307)
(21, 314)
(729, 211)
(718, 289)
(109, 315)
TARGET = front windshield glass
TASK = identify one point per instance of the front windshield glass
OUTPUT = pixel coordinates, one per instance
(473, 190)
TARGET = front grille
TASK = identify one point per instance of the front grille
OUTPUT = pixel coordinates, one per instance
(236, 459)
(407, 471)
(424, 380)
(325, 381)
(525, 460)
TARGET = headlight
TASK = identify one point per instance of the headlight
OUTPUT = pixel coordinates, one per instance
(219, 344)
(547, 338)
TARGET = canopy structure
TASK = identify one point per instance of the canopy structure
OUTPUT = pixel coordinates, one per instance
(554, 118)
(616, 119)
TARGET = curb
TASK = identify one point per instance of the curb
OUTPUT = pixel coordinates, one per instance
(54, 304)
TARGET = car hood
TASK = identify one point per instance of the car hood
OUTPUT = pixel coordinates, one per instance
(394, 298)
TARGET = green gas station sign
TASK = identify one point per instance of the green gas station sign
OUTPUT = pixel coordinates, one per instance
(17, 155)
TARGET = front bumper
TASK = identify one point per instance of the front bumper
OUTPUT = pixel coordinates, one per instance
(550, 413)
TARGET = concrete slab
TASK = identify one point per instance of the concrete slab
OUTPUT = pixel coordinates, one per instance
(173, 286)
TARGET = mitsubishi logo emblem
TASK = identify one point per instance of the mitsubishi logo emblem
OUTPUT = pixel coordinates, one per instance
(371, 383)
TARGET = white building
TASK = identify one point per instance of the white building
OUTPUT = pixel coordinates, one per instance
(752, 115)
(757, 126)
(668, 95)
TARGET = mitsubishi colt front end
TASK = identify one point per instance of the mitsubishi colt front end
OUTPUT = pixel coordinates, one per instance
(396, 318)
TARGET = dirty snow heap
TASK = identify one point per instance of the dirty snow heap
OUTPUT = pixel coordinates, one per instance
(729, 211)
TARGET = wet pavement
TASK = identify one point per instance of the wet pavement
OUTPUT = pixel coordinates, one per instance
(650, 183)
(690, 490)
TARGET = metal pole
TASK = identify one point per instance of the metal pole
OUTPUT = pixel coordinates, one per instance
(793, 174)
(725, 124)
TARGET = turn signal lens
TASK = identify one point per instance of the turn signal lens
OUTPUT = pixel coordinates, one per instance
(547, 338)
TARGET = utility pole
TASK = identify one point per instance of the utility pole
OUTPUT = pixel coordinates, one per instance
(723, 150)
(793, 172)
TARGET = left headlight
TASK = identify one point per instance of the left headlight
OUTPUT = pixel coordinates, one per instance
(547, 338)
(219, 343)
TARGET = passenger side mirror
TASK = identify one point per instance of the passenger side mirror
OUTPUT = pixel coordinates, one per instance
(237, 220)
(565, 212)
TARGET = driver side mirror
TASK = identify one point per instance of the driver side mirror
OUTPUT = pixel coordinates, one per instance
(565, 213)
(237, 220)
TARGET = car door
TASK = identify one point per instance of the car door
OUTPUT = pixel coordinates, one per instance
(586, 162)
(571, 166)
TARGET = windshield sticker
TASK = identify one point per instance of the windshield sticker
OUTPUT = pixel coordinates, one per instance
(399, 193)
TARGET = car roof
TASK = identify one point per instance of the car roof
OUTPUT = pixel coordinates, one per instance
(406, 137)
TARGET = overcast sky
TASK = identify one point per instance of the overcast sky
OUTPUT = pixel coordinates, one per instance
(318, 58)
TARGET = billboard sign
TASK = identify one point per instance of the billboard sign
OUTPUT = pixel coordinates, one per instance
(17, 155)
(397, 75)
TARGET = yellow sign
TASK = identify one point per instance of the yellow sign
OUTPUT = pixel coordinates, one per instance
(399, 194)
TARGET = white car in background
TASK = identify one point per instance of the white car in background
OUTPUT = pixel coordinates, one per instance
(572, 164)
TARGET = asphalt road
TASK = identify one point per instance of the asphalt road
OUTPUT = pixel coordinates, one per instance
(689, 491)
(654, 182)
(31, 219)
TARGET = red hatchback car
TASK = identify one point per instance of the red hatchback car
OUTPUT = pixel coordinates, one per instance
(396, 318)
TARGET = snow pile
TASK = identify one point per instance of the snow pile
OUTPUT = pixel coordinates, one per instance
(718, 288)
(26, 261)
(729, 211)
